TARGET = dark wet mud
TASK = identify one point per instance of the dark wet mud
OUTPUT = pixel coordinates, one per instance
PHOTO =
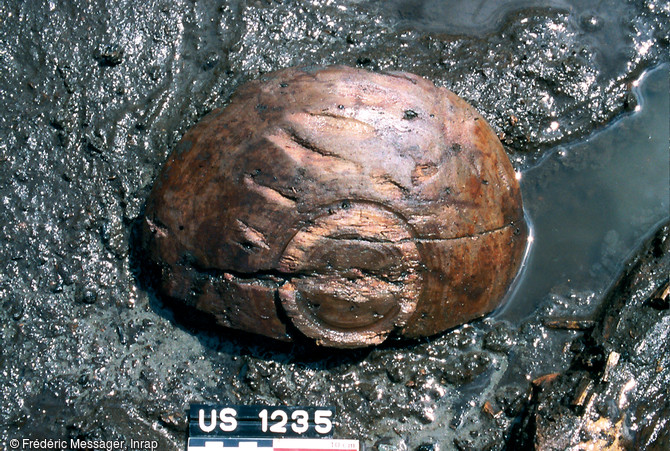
(95, 96)
(614, 394)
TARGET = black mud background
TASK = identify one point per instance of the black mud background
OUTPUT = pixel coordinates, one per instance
(94, 96)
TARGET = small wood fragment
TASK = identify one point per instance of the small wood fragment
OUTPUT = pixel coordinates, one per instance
(584, 389)
(660, 298)
(569, 323)
(489, 409)
(612, 361)
(545, 380)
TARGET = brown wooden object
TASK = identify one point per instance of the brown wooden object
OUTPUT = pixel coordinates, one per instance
(340, 204)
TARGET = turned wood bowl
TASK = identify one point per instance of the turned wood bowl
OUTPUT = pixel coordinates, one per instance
(341, 205)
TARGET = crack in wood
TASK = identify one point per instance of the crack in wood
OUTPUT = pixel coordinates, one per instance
(270, 193)
(306, 144)
(252, 236)
(387, 180)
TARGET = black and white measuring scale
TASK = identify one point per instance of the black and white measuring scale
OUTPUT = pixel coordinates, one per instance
(267, 428)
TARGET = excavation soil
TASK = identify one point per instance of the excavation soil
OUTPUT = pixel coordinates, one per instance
(95, 97)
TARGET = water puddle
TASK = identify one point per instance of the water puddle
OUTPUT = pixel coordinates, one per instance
(593, 202)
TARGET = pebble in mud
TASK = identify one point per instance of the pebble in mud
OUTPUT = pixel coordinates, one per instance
(341, 205)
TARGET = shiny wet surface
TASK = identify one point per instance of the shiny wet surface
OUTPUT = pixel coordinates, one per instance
(592, 203)
(95, 96)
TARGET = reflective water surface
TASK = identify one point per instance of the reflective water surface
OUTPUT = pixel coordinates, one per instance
(591, 203)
